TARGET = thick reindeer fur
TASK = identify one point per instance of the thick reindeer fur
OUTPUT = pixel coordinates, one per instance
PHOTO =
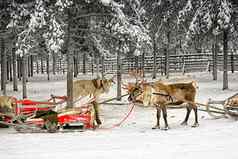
(7, 104)
(185, 92)
(233, 102)
(95, 88)
(160, 95)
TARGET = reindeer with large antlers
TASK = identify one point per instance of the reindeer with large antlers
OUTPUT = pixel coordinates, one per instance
(161, 95)
(136, 74)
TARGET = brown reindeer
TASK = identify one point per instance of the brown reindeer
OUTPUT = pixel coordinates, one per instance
(7, 104)
(232, 102)
(94, 87)
(160, 95)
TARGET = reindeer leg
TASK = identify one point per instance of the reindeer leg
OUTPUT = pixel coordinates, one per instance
(164, 110)
(185, 122)
(195, 109)
(157, 126)
(96, 109)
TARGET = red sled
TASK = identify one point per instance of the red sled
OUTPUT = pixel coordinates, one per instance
(81, 116)
(28, 107)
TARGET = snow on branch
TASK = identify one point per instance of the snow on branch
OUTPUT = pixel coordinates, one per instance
(133, 28)
(36, 21)
(42, 22)
(54, 36)
(62, 4)
(224, 14)
(184, 12)
(97, 41)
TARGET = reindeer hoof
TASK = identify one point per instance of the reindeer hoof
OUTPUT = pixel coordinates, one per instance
(156, 127)
(195, 125)
(184, 123)
(98, 122)
(165, 128)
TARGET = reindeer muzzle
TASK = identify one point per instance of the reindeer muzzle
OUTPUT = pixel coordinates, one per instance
(129, 98)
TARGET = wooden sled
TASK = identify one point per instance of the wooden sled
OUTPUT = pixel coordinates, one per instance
(223, 108)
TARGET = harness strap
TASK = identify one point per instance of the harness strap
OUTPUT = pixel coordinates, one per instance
(165, 95)
(132, 106)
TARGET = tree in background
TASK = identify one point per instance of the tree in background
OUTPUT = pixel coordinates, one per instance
(213, 18)
(64, 26)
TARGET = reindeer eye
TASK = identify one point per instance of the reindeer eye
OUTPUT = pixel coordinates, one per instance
(136, 92)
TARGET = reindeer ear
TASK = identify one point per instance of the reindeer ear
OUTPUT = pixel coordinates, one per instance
(113, 78)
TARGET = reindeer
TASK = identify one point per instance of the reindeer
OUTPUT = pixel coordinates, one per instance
(94, 88)
(137, 74)
(161, 95)
(232, 102)
(7, 104)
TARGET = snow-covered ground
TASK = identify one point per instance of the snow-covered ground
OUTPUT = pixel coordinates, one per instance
(135, 138)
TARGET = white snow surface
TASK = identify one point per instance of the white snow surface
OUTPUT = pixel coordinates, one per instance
(214, 138)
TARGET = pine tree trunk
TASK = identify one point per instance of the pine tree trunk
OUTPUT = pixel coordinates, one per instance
(10, 68)
(167, 56)
(42, 64)
(232, 62)
(75, 65)
(154, 58)
(3, 67)
(29, 66)
(37, 64)
(19, 67)
(215, 54)
(103, 67)
(97, 67)
(84, 63)
(225, 57)
(54, 63)
(137, 63)
(143, 64)
(2, 62)
(26, 67)
(57, 64)
(70, 66)
(48, 66)
(63, 64)
(14, 67)
(60, 63)
(119, 69)
(78, 63)
(92, 64)
(32, 65)
(70, 79)
(74, 61)
(24, 76)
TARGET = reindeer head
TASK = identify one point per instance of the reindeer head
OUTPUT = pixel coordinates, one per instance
(107, 83)
(134, 90)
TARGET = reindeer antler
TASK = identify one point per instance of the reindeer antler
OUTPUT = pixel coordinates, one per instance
(125, 86)
(136, 73)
